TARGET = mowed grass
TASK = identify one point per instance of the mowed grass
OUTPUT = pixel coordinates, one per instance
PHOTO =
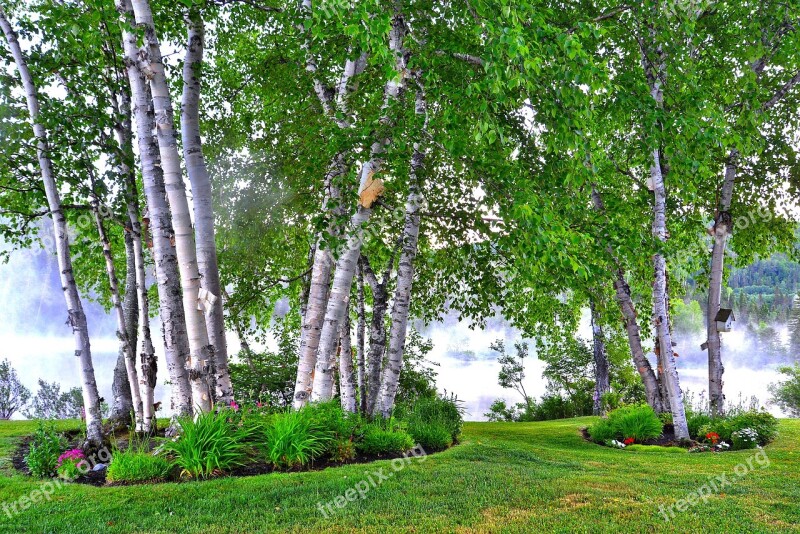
(509, 477)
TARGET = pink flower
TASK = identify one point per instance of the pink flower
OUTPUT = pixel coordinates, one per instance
(234, 406)
(72, 454)
(259, 404)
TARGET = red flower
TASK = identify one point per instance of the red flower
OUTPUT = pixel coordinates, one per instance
(629, 441)
(713, 437)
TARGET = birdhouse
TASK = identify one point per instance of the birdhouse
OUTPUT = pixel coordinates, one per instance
(724, 320)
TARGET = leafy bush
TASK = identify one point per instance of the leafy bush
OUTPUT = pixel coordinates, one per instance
(445, 411)
(602, 431)
(292, 440)
(209, 445)
(342, 450)
(638, 422)
(329, 419)
(376, 440)
(138, 465)
(432, 436)
(763, 423)
(746, 438)
(72, 464)
(696, 421)
(45, 447)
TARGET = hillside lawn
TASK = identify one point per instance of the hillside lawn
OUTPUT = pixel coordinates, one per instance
(510, 477)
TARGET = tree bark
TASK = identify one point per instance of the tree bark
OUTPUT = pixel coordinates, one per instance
(630, 318)
(401, 306)
(601, 377)
(318, 290)
(122, 404)
(347, 382)
(200, 351)
(346, 264)
(377, 331)
(660, 306)
(203, 205)
(123, 321)
(173, 323)
(723, 226)
(361, 329)
(76, 315)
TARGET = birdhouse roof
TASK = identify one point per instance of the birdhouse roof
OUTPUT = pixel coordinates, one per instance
(723, 314)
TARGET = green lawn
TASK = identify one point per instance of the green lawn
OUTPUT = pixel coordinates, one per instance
(511, 477)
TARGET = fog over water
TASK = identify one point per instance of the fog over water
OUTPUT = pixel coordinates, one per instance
(34, 336)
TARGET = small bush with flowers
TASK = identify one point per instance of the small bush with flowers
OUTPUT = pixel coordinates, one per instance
(746, 438)
(72, 464)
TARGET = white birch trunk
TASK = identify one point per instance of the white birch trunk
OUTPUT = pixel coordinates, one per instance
(723, 226)
(200, 352)
(76, 315)
(401, 306)
(318, 291)
(203, 206)
(122, 405)
(347, 385)
(173, 324)
(346, 263)
(122, 326)
(660, 306)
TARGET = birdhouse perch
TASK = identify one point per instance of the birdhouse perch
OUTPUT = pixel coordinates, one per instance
(724, 319)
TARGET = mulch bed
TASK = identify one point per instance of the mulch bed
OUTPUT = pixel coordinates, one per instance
(666, 439)
(98, 478)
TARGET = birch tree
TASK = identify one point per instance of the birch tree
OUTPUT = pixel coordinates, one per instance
(152, 67)
(176, 344)
(76, 315)
(202, 204)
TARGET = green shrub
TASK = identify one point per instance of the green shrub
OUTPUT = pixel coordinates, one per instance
(209, 445)
(746, 438)
(602, 431)
(292, 440)
(330, 420)
(655, 448)
(137, 465)
(431, 436)
(45, 448)
(695, 422)
(342, 450)
(638, 422)
(376, 440)
(763, 423)
(445, 411)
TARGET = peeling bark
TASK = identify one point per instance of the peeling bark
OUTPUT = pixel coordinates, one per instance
(201, 355)
(361, 329)
(76, 316)
(347, 382)
(203, 206)
(173, 322)
(377, 331)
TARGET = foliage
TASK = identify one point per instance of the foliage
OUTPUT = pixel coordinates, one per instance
(136, 464)
(50, 403)
(432, 436)
(13, 394)
(72, 464)
(45, 448)
(512, 367)
(207, 445)
(267, 378)
(441, 410)
(697, 421)
(762, 423)
(786, 394)
(377, 441)
(417, 377)
(639, 423)
(291, 440)
(329, 420)
(687, 318)
(342, 450)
